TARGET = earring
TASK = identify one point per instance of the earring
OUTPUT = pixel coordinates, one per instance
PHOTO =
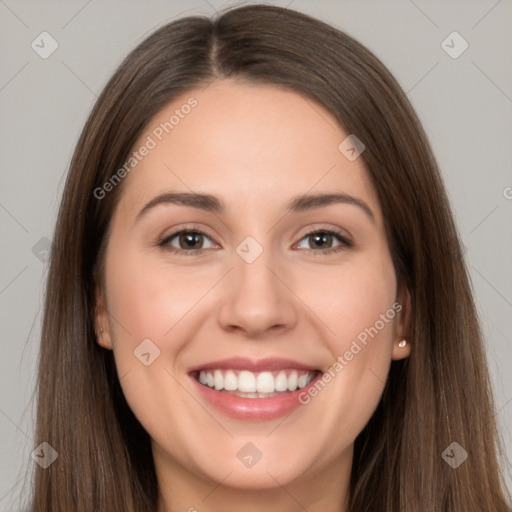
(402, 343)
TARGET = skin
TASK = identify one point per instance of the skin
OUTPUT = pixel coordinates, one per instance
(254, 147)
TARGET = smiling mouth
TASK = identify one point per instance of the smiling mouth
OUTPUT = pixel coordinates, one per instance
(247, 384)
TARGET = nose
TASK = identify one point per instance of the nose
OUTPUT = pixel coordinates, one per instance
(258, 300)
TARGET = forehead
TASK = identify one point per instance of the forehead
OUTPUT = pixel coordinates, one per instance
(253, 145)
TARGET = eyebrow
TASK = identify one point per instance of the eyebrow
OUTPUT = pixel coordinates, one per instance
(212, 204)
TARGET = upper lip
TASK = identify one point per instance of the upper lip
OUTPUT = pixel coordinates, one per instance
(253, 365)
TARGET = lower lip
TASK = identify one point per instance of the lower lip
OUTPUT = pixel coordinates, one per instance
(253, 408)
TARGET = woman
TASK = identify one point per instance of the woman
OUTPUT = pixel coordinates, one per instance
(201, 348)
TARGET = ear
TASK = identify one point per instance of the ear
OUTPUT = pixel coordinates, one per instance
(101, 323)
(402, 326)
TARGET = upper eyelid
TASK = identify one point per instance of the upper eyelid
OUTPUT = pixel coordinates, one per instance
(192, 229)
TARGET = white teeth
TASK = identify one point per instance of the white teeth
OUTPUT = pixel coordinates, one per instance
(265, 383)
(246, 382)
(303, 380)
(292, 381)
(218, 379)
(281, 382)
(230, 381)
(255, 385)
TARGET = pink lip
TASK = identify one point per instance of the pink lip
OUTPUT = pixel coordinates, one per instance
(252, 365)
(262, 409)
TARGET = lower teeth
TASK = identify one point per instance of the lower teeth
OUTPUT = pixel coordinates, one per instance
(252, 395)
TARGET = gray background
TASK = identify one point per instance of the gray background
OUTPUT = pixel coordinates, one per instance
(465, 104)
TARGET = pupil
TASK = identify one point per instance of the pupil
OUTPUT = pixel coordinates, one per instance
(190, 239)
(321, 238)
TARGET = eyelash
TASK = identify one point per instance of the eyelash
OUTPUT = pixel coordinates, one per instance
(344, 242)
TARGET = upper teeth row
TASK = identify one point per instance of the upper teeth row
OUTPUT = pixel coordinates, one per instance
(248, 382)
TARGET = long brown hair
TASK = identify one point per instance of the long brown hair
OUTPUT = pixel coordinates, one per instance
(439, 395)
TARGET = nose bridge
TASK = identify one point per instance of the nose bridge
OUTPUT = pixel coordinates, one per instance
(252, 269)
(256, 300)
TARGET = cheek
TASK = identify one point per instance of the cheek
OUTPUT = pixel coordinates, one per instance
(366, 317)
(148, 297)
(355, 302)
(146, 300)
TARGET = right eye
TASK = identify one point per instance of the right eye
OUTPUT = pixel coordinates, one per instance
(186, 241)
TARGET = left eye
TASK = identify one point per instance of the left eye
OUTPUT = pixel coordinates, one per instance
(318, 239)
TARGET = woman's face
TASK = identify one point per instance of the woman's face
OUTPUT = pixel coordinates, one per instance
(251, 300)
